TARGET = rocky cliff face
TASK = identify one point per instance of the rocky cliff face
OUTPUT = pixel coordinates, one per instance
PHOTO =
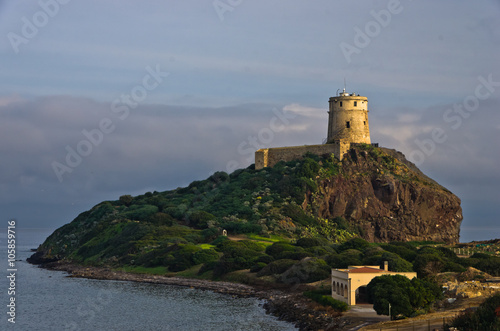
(388, 198)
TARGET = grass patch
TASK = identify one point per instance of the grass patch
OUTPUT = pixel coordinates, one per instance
(272, 239)
(205, 246)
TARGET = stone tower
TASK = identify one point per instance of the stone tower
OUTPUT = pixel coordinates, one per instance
(348, 119)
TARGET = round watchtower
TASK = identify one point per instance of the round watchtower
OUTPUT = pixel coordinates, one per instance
(348, 119)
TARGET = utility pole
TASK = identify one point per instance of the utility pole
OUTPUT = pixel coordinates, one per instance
(390, 317)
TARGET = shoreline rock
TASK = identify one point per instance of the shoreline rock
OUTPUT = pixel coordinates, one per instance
(287, 305)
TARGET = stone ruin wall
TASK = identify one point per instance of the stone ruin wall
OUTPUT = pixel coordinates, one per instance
(268, 157)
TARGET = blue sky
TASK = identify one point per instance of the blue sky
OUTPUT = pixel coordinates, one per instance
(224, 68)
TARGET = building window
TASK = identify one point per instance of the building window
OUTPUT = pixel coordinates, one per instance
(364, 122)
(355, 103)
(340, 103)
(348, 124)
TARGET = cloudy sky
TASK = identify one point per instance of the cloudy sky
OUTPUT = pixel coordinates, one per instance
(104, 98)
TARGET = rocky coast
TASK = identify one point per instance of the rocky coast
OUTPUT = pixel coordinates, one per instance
(287, 304)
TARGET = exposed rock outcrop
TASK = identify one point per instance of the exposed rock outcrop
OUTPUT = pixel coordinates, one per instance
(389, 199)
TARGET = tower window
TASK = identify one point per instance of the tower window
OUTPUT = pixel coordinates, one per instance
(355, 103)
(340, 103)
(364, 122)
(348, 124)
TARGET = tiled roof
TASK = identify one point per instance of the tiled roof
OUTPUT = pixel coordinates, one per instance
(365, 270)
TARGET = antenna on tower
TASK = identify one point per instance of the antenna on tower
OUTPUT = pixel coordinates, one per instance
(344, 85)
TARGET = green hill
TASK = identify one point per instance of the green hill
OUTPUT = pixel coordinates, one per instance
(309, 214)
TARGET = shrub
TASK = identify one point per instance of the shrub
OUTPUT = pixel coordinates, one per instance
(306, 271)
(126, 199)
(405, 251)
(276, 249)
(299, 255)
(327, 300)
(257, 267)
(235, 258)
(428, 264)
(219, 240)
(140, 212)
(161, 219)
(308, 242)
(199, 219)
(210, 234)
(319, 250)
(204, 256)
(354, 243)
(309, 168)
(343, 260)
(239, 227)
(265, 259)
(484, 318)
(276, 267)
(298, 215)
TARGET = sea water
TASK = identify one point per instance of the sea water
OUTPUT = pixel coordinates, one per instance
(49, 300)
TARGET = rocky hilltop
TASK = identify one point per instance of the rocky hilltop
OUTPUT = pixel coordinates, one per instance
(373, 193)
(389, 199)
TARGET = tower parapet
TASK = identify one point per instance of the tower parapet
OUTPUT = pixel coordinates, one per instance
(348, 118)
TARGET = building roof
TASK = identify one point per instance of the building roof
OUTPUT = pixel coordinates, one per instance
(365, 270)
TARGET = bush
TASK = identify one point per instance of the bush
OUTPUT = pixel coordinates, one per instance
(210, 234)
(140, 212)
(126, 199)
(161, 219)
(309, 168)
(308, 242)
(306, 271)
(343, 260)
(294, 255)
(427, 264)
(219, 240)
(405, 251)
(327, 300)
(204, 256)
(239, 227)
(276, 249)
(483, 318)
(265, 259)
(199, 219)
(276, 267)
(257, 267)
(236, 257)
(298, 215)
(354, 243)
(490, 265)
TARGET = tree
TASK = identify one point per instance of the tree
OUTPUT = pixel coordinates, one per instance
(406, 297)
(126, 199)
(199, 219)
(387, 289)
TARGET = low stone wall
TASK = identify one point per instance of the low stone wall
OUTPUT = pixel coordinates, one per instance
(268, 157)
